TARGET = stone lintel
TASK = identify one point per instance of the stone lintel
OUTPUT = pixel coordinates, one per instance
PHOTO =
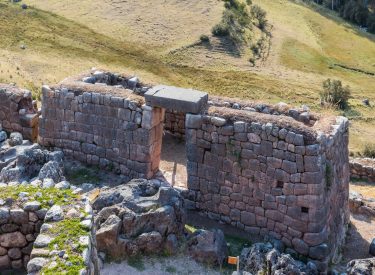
(178, 99)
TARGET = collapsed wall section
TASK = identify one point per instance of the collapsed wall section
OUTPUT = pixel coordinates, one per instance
(102, 125)
(272, 175)
(18, 113)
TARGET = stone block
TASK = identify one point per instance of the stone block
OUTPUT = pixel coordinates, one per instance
(173, 98)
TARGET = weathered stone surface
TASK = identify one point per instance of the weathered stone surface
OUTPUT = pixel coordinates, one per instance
(4, 262)
(54, 214)
(208, 246)
(262, 257)
(14, 239)
(15, 139)
(42, 241)
(14, 253)
(128, 213)
(36, 264)
(363, 267)
(51, 170)
(171, 244)
(183, 100)
(107, 235)
(32, 206)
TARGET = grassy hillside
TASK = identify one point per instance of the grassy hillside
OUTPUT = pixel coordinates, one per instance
(158, 42)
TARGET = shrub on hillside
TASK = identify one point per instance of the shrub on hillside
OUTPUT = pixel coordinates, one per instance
(236, 22)
(260, 14)
(220, 30)
(369, 151)
(204, 38)
(335, 93)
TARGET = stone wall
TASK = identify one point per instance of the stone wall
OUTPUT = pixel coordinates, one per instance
(37, 234)
(363, 168)
(19, 227)
(18, 113)
(272, 175)
(102, 125)
(175, 123)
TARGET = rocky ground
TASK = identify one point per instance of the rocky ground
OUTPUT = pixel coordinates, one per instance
(136, 219)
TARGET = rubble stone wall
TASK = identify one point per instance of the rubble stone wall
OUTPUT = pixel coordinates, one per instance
(272, 175)
(104, 126)
(19, 228)
(17, 112)
(29, 230)
(175, 123)
(363, 168)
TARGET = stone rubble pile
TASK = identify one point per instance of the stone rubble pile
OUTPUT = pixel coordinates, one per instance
(138, 217)
(25, 161)
(301, 114)
(360, 205)
(265, 258)
(208, 247)
(112, 79)
(361, 266)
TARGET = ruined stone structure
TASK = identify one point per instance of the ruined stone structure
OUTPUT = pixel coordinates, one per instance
(363, 168)
(18, 231)
(102, 125)
(18, 113)
(272, 175)
(266, 169)
(28, 228)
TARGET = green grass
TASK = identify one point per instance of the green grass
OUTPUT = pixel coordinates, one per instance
(236, 245)
(83, 175)
(59, 197)
(67, 233)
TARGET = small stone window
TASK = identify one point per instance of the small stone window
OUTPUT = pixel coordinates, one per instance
(280, 184)
(304, 210)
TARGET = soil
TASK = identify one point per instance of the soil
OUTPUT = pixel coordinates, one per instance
(160, 266)
(173, 160)
(360, 234)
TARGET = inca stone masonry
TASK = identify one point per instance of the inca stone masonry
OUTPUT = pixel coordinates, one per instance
(266, 169)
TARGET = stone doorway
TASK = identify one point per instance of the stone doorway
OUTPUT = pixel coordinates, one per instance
(173, 160)
(176, 102)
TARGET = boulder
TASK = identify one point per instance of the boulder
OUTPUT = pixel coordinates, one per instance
(362, 266)
(149, 242)
(107, 234)
(36, 264)
(208, 246)
(264, 258)
(138, 217)
(52, 170)
(15, 139)
(54, 214)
